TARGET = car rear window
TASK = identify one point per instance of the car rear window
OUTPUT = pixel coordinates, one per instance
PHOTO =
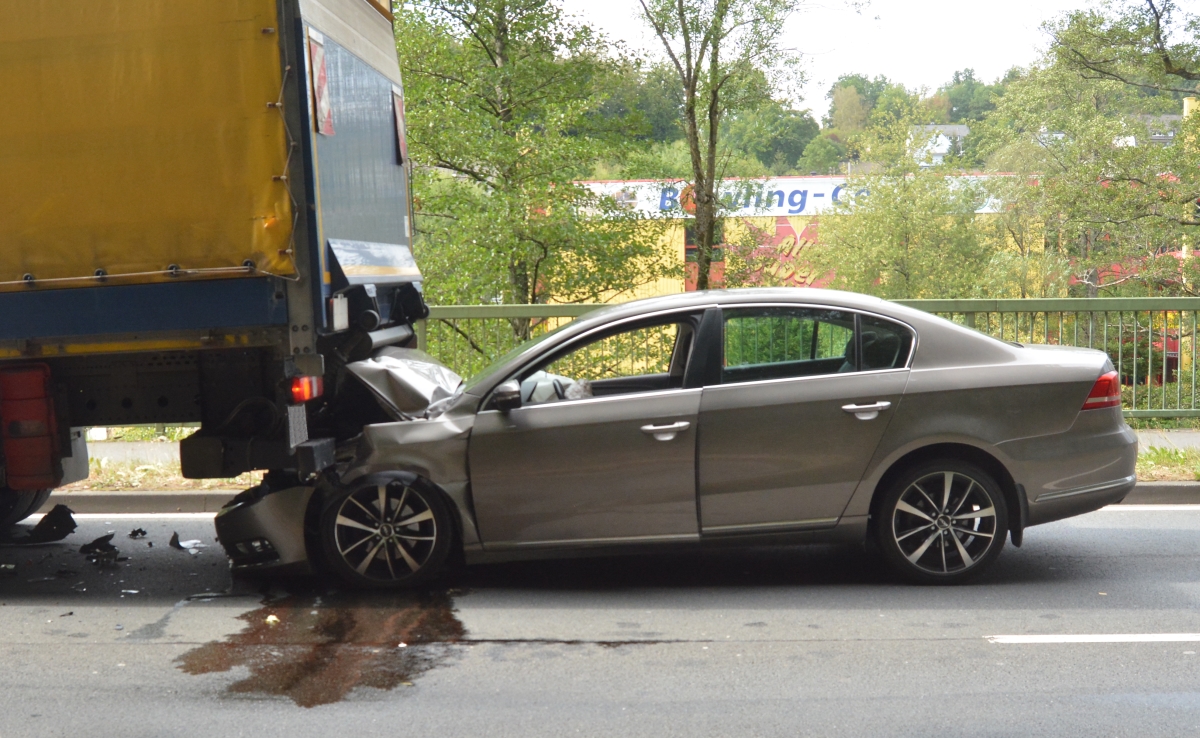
(885, 345)
(778, 342)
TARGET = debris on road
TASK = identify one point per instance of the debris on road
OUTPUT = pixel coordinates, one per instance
(8, 570)
(101, 552)
(54, 526)
(272, 620)
(193, 546)
(67, 614)
(137, 533)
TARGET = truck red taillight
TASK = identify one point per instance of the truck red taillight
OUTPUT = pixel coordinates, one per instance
(1106, 392)
(306, 388)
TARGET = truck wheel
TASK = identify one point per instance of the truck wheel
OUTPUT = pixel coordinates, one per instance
(388, 533)
(15, 505)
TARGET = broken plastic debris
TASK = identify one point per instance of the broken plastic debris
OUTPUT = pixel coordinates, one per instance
(192, 546)
(120, 627)
(402, 645)
(129, 591)
(101, 552)
(67, 614)
(54, 526)
(137, 533)
(272, 620)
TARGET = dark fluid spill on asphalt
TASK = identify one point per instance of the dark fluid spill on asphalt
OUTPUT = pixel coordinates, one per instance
(321, 648)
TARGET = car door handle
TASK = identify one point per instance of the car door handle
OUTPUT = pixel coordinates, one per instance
(665, 432)
(867, 412)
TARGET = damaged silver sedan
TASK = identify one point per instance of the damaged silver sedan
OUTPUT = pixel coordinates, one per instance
(746, 416)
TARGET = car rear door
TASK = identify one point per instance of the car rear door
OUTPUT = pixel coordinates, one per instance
(786, 434)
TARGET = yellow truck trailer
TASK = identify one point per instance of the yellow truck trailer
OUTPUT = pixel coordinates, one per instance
(204, 215)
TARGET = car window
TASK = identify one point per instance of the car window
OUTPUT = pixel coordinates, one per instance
(778, 342)
(642, 359)
(885, 345)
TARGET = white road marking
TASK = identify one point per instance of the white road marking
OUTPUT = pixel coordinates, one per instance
(1097, 638)
(1150, 508)
(134, 516)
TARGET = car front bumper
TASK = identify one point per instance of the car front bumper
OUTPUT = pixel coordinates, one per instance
(266, 534)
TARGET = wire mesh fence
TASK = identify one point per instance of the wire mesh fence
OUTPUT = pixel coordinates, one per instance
(1151, 341)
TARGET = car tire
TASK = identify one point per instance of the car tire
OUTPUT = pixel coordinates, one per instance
(16, 505)
(405, 546)
(942, 522)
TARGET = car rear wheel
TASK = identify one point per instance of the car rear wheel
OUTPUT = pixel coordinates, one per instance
(942, 522)
(387, 534)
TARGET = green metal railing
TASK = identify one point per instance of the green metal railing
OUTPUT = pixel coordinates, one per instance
(1151, 341)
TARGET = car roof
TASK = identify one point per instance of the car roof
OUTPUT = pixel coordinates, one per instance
(701, 298)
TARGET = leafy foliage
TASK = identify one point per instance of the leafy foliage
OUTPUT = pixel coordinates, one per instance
(505, 105)
(724, 53)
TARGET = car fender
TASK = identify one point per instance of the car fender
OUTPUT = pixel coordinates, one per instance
(887, 457)
(434, 449)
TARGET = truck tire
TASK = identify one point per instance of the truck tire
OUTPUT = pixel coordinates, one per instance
(16, 505)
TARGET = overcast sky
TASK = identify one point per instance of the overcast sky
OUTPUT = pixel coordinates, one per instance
(919, 43)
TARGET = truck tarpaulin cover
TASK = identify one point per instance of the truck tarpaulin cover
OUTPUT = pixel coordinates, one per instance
(136, 135)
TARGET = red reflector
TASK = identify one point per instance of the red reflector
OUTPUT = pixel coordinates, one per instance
(1106, 392)
(306, 388)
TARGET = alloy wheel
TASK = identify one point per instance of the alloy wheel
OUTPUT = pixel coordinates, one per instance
(385, 533)
(945, 523)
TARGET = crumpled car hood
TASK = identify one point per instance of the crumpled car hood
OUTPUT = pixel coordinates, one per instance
(411, 383)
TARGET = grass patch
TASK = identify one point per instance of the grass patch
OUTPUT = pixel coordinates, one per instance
(1156, 464)
(118, 476)
(171, 433)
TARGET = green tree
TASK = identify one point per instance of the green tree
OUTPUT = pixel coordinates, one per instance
(823, 155)
(773, 134)
(849, 109)
(1116, 202)
(970, 99)
(908, 231)
(869, 90)
(648, 100)
(722, 52)
(1148, 45)
(504, 103)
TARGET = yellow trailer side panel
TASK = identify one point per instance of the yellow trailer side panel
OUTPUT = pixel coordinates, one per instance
(135, 135)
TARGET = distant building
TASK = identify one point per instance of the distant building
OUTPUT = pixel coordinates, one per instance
(939, 141)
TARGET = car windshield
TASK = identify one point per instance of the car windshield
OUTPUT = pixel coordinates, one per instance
(509, 356)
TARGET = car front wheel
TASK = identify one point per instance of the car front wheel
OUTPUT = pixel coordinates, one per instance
(387, 533)
(942, 523)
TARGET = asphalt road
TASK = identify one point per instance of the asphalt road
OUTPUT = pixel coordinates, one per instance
(768, 642)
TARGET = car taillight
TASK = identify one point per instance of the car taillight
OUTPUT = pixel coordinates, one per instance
(1106, 392)
(306, 388)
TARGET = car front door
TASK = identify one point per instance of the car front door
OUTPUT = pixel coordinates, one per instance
(804, 397)
(603, 448)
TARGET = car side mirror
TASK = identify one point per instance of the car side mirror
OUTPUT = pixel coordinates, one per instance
(507, 396)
